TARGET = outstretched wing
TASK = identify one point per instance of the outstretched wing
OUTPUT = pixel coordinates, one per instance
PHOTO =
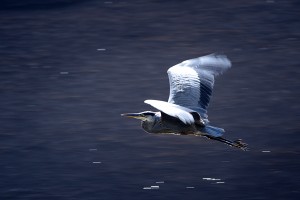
(183, 114)
(192, 81)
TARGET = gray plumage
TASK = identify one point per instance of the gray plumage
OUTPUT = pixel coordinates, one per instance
(185, 113)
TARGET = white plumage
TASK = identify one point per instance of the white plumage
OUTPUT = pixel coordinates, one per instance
(172, 110)
(191, 84)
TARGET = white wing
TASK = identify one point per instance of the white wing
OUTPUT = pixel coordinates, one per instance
(173, 110)
(192, 81)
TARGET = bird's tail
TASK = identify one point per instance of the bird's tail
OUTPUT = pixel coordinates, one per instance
(214, 131)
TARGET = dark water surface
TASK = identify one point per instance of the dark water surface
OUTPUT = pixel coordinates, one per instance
(69, 68)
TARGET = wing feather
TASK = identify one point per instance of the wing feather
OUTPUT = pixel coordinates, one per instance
(192, 81)
(173, 110)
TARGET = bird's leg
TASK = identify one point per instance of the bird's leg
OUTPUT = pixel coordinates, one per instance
(237, 143)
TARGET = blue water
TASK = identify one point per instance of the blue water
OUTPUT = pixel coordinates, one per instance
(69, 68)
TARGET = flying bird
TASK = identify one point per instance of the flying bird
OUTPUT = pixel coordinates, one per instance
(185, 113)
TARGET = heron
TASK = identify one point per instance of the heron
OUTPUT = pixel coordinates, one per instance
(185, 112)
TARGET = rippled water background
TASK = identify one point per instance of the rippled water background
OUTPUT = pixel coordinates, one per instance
(68, 68)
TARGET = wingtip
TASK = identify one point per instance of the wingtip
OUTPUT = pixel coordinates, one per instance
(147, 101)
(223, 60)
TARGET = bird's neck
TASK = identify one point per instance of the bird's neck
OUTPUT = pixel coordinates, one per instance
(150, 124)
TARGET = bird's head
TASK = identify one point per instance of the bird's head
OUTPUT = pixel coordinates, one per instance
(144, 116)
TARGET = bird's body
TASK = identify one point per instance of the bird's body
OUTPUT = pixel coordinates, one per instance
(185, 113)
(158, 125)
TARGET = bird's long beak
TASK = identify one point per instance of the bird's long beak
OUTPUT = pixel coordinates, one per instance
(134, 115)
